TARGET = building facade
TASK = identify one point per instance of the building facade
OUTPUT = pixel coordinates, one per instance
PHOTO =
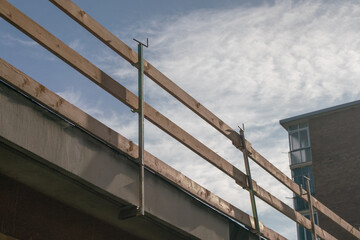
(325, 147)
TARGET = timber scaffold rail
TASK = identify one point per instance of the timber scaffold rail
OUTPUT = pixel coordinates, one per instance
(82, 65)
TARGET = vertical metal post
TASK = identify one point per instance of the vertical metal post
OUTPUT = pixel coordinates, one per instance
(140, 111)
(141, 127)
(311, 209)
(251, 191)
(132, 211)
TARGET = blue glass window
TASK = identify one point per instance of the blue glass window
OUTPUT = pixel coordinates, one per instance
(305, 234)
(298, 177)
(299, 140)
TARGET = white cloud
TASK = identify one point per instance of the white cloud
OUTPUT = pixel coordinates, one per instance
(247, 65)
(254, 66)
(18, 44)
(76, 44)
(123, 123)
(10, 40)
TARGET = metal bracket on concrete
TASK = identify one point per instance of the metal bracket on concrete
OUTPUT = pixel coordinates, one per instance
(127, 212)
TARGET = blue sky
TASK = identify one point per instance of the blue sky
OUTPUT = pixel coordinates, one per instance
(252, 62)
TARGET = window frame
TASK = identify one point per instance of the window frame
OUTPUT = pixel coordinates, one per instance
(297, 128)
(304, 230)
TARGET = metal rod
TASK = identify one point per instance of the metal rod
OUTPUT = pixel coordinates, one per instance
(251, 191)
(311, 210)
(141, 128)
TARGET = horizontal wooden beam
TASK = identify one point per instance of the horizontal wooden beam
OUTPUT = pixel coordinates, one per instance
(126, 52)
(270, 168)
(71, 57)
(104, 35)
(89, 70)
(47, 98)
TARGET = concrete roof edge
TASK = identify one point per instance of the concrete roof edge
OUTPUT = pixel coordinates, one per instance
(287, 121)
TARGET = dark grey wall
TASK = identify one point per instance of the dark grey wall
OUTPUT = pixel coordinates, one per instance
(335, 143)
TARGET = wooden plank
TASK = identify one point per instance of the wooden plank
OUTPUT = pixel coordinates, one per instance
(289, 212)
(47, 98)
(89, 70)
(126, 52)
(302, 193)
(57, 47)
(123, 50)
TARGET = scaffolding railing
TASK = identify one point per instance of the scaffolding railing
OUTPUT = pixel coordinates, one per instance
(85, 67)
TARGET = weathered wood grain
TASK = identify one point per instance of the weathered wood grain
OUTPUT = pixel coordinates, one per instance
(39, 34)
(47, 98)
(123, 50)
(89, 70)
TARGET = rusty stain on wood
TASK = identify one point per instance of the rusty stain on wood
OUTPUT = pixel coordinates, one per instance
(58, 103)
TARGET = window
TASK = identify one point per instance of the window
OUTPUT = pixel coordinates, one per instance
(298, 177)
(299, 140)
(303, 233)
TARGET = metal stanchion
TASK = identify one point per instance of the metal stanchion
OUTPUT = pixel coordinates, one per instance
(251, 191)
(311, 209)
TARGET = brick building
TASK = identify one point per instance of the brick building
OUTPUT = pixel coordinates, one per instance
(325, 146)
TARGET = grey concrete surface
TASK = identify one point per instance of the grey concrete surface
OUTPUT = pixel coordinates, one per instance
(56, 158)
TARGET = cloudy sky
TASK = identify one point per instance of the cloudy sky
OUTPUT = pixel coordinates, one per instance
(251, 62)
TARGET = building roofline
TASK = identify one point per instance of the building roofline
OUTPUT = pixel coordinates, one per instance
(306, 116)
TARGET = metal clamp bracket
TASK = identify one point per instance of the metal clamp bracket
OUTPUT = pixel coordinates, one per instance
(145, 45)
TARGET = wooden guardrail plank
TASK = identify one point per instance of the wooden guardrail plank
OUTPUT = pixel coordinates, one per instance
(71, 57)
(302, 193)
(123, 50)
(64, 52)
(41, 94)
(126, 52)
(289, 212)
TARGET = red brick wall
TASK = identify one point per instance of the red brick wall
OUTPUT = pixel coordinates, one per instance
(335, 143)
